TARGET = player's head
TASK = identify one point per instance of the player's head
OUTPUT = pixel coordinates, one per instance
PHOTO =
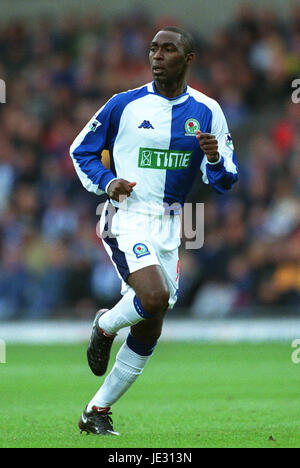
(171, 53)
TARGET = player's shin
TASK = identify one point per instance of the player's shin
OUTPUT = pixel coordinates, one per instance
(127, 312)
(130, 363)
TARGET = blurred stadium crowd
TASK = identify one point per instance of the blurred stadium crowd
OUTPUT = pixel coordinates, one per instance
(58, 73)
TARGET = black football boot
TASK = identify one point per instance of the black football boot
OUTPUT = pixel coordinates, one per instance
(98, 351)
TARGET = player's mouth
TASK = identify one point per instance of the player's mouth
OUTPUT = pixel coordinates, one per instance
(157, 69)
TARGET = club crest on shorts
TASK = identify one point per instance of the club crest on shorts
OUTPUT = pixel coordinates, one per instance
(191, 126)
(141, 250)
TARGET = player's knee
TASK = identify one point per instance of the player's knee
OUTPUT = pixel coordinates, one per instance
(155, 302)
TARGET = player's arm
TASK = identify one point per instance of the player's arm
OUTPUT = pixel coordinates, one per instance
(116, 187)
(86, 153)
(219, 165)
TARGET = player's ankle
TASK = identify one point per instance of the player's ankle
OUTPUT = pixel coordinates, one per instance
(102, 410)
(105, 330)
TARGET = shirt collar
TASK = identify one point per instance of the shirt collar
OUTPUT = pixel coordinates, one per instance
(177, 99)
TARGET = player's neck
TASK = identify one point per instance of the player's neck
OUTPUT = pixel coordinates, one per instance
(170, 90)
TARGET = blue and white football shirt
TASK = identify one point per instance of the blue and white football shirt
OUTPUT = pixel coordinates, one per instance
(151, 141)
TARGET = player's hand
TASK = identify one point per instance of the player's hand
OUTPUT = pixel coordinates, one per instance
(209, 145)
(120, 187)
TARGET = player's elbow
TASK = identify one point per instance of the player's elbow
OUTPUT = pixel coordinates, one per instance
(224, 184)
(230, 181)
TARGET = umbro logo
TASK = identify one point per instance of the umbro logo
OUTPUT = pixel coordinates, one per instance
(146, 124)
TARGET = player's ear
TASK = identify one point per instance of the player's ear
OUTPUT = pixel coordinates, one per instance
(190, 58)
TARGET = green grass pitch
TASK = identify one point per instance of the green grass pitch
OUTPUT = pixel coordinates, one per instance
(190, 395)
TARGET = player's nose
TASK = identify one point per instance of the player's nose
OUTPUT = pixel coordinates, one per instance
(158, 54)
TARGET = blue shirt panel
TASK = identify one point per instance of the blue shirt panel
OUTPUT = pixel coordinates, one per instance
(179, 182)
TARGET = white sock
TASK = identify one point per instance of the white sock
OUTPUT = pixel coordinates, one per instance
(123, 314)
(128, 366)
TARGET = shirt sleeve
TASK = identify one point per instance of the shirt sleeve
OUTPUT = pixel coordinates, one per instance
(87, 148)
(222, 174)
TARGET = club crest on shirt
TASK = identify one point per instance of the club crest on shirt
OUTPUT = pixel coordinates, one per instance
(191, 126)
(141, 250)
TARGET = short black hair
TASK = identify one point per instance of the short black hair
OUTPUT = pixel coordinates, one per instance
(186, 38)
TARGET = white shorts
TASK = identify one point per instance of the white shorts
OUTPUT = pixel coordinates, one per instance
(134, 241)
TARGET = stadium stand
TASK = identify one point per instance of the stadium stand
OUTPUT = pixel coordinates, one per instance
(58, 74)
